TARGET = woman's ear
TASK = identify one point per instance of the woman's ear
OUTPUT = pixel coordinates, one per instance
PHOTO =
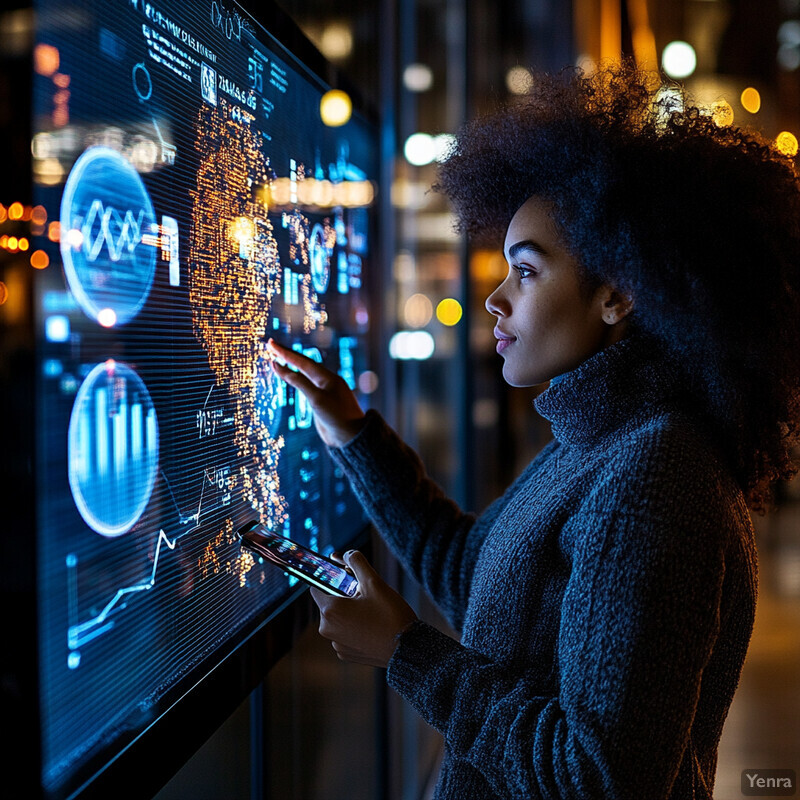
(616, 306)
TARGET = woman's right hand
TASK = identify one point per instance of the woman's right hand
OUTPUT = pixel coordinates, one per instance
(337, 414)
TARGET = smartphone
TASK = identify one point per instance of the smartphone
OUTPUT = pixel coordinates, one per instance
(298, 560)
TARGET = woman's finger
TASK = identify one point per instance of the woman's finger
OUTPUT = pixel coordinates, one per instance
(313, 370)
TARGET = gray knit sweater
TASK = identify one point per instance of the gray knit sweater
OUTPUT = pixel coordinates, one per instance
(605, 602)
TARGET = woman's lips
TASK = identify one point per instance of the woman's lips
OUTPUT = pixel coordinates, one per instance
(503, 340)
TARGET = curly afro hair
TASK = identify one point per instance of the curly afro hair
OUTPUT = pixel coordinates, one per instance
(699, 222)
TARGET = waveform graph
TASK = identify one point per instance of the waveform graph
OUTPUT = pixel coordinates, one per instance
(108, 226)
(112, 448)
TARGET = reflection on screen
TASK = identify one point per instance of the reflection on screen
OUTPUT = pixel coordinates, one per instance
(197, 205)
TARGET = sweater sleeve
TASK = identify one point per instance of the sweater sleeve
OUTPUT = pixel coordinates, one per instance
(639, 619)
(432, 537)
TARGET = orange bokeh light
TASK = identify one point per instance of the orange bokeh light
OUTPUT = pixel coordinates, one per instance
(3, 213)
(54, 231)
(39, 259)
(23, 244)
(3, 293)
(46, 59)
(15, 211)
(61, 80)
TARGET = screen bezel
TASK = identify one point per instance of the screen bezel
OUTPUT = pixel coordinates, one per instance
(220, 684)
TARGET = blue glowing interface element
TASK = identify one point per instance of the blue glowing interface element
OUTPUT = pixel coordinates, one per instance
(107, 232)
(197, 206)
(112, 448)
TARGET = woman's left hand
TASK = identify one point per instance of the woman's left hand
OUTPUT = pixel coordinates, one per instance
(364, 628)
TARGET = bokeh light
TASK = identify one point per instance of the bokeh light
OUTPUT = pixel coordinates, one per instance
(722, 113)
(107, 317)
(519, 80)
(411, 345)
(368, 382)
(751, 100)
(679, 59)
(335, 108)
(449, 311)
(3, 293)
(336, 41)
(786, 142)
(39, 259)
(420, 149)
(46, 59)
(417, 77)
(418, 311)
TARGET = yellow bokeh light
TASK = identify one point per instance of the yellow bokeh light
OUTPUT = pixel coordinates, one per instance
(23, 244)
(335, 108)
(449, 311)
(786, 142)
(751, 100)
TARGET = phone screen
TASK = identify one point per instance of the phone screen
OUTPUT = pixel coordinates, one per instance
(298, 560)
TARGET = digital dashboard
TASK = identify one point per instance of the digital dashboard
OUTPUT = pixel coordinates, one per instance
(193, 205)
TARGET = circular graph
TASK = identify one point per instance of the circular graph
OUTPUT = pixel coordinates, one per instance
(112, 448)
(320, 259)
(108, 236)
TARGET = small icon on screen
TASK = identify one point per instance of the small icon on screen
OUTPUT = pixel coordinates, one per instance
(208, 83)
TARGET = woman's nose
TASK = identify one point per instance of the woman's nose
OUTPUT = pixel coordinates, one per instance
(496, 303)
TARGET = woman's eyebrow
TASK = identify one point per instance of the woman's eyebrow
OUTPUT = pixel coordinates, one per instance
(526, 244)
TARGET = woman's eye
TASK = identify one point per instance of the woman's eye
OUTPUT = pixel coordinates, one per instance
(524, 271)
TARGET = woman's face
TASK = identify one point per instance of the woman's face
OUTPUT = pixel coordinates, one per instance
(545, 325)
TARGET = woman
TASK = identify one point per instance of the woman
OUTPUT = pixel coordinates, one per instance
(606, 601)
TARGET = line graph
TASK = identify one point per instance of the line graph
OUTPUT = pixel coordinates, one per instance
(80, 634)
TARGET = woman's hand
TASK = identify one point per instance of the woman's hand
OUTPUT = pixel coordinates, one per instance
(337, 414)
(364, 628)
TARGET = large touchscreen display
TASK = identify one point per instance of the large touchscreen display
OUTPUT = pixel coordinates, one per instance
(192, 203)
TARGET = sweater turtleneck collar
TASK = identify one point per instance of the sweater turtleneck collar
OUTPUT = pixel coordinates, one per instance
(623, 381)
